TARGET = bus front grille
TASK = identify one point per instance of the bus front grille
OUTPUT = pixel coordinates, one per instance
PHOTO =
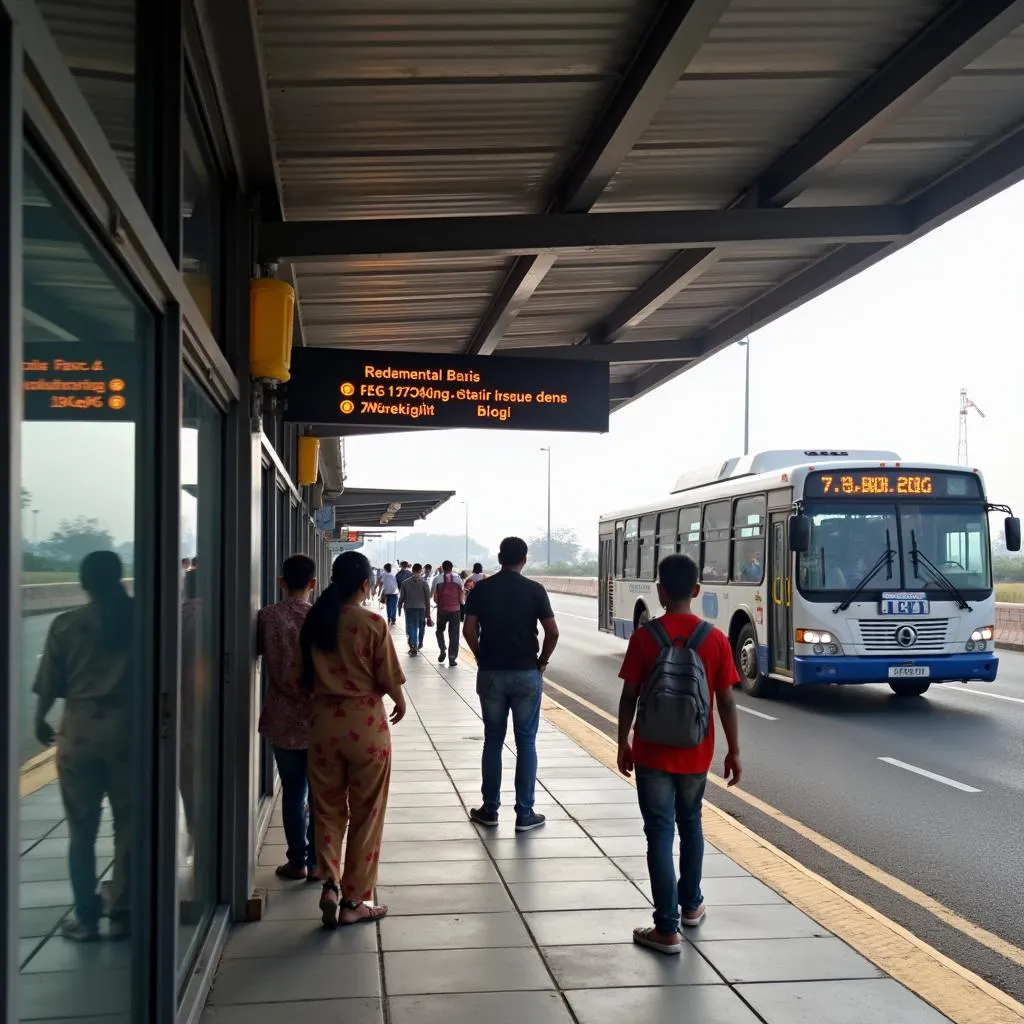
(891, 636)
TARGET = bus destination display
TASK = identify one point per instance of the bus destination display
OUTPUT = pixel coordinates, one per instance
(404, 389)
(79, 381)
(891, 483)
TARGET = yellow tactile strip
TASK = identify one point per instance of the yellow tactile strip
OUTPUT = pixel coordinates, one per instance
(37, 772)
(960, 994)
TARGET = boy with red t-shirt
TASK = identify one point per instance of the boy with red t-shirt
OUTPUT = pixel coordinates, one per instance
(670, 781)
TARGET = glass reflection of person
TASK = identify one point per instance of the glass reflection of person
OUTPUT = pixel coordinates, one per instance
(87, 661)
(193, 687)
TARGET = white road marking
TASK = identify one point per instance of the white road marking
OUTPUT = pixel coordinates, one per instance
(929, 775)
(985, 693)
(585, 618)
(756, 714)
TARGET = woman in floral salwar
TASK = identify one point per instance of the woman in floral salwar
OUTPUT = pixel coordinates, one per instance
(350, 664)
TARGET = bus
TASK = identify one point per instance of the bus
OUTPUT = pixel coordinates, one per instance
(822, 567)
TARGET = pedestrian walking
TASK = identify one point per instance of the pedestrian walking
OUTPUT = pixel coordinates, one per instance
(675, 666)
(387, 586)
(414, 603)
(348, 663)
(404, 572)
(448, 597)
(502, 613)
(287, 710)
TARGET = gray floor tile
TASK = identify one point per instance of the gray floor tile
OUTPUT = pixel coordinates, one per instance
(395, 852)
(542, 869)
(39, 921)
(584, 770)
(454, 931)
(598, 927)
(879, 1001)
(566, 895)
(734, 892)
(441, 785)
(282, 979)
(333, 1011)
(298, 937)
(492, 1007)
(706, 1004)
(75, 994)
(422, 815)
(398, 797)
(626, 965)
(768, 921)
(36, 829)
(624, 846)
(527, 846)
(415, 762)
(271, 855)
(45, 869)
(601, 796)
(471, 872)
(715, 866)
(602, 782)
(556, 828)
(59, 848)
(601, 812)
(428, 832)
(301, 904)
(425, 972)
(618, 828)
(404, 900)
(820, 959)
(44, 894)
(60, 954)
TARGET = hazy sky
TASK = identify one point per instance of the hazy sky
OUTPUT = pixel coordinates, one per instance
(876, 363)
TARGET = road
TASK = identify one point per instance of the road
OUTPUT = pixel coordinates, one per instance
(956, 833)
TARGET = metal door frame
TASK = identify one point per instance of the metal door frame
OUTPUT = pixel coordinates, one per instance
(780, 608)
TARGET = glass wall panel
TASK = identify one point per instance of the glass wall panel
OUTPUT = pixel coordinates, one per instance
(199, 779)
(86, 744)
(201, 216)
(98, 39)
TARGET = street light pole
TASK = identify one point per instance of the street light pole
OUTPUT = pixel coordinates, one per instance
(466, 563)
(746, 398)
(548, 450)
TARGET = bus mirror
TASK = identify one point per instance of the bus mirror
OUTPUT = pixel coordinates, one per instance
(1011, 533)
(799, 534)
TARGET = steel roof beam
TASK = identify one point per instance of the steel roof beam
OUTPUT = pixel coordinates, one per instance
(676, 33)
(625, 352)
(552, 234)
(963, 32)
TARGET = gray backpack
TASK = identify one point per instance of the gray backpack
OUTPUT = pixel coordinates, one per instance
(675, 705)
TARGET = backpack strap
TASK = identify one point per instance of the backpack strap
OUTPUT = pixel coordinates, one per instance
(657, 630)
(699, 635)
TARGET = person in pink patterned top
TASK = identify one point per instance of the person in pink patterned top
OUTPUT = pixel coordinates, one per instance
(287, 709)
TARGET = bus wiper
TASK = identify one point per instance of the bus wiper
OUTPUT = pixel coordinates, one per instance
(885, 558)
(919, 558)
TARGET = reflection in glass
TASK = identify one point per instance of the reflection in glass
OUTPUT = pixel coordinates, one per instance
(82, 698)
(97, 39)
(200, 212)
(200, 671)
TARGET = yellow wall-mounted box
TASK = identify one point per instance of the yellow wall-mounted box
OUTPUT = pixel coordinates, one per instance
(271, 316)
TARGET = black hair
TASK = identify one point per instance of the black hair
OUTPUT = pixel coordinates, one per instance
(100, 576)
(417, 567)
(477, 567)
(512, 551)
(447, 565)
(678, 576)
(387, 567)
(298, 571)
(320, 628)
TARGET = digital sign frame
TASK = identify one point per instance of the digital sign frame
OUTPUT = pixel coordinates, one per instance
(406, 390)
(81, 381)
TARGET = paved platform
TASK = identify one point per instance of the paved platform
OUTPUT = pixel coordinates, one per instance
(485, 925)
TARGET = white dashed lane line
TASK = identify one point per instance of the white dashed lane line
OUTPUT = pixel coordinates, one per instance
(930, 775)
(756, 714)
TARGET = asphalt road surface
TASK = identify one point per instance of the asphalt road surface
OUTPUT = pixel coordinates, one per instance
(947, 818)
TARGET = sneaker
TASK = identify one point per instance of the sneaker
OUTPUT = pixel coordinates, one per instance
(74, 930)
(452, 663)
(441, 657)
(528, 822)
(692, 918)
(292, 872)
(489, 819)
(413, 652)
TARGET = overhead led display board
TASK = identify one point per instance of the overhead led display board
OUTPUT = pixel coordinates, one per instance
(80, 381)
(407, 390)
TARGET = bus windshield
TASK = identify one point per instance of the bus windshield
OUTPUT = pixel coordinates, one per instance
(847, 538)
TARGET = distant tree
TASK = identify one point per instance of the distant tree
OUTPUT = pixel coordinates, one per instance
(565, 546)
(75, 538)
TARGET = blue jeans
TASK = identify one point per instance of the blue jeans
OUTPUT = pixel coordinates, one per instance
(668, 802)
(391, 602)
(415, 626)
(298, 822)
(500, 693)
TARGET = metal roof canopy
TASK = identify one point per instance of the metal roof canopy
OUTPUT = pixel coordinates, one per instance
(384, 507)
(642, 182)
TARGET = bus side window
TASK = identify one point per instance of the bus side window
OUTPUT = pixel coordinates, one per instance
(631, 549)
(748, 535)
(688, 540)
(647, 553)
(715, 567)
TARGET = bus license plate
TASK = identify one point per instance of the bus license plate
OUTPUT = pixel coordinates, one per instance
(909, 672)
(900, 603)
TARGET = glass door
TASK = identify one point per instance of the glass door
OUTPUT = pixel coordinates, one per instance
(781, 606)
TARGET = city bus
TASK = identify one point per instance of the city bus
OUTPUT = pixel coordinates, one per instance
(822, 567)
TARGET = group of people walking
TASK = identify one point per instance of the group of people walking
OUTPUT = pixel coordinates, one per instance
(332, 664)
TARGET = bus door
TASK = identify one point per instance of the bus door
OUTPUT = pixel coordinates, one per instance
(605, 575)
(780, 609)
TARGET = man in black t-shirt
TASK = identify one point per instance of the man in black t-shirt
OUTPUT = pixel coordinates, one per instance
(502, 613)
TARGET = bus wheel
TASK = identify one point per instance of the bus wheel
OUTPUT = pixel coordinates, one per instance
(642, 617)
(909, 689)
(745, 653)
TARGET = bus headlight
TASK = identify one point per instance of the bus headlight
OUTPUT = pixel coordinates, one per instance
(821, 641)
(983, 633)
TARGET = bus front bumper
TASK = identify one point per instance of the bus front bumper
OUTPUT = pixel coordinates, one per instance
(941, 668)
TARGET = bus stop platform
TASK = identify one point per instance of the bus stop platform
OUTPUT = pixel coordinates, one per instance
(488, 926)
